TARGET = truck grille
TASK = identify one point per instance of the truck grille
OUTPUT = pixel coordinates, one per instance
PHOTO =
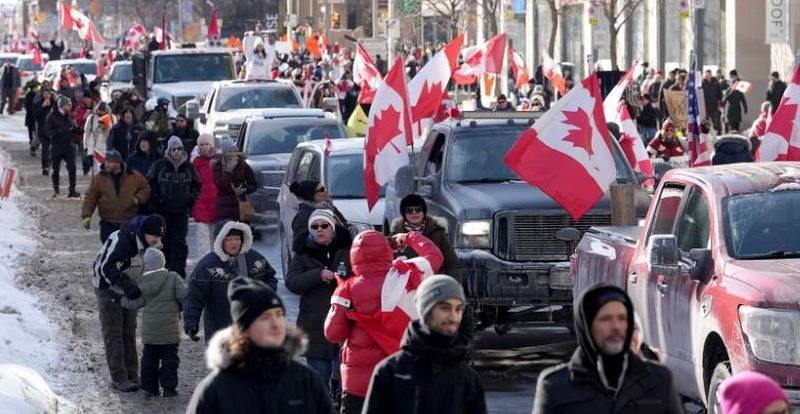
(531, 236)
(272, 178)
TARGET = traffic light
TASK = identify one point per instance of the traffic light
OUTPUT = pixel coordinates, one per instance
(335, 20)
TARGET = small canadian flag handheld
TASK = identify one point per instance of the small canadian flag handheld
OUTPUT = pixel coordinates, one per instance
(743, 86)
(328, 145)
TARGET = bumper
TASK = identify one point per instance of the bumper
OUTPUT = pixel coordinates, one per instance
(491, 281)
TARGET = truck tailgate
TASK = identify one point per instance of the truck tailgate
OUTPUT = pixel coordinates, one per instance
(603, 255)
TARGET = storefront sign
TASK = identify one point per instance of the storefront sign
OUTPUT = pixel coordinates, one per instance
(777, 21)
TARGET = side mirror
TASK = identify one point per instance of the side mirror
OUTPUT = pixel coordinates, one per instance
(404, 181)
(663, 249)
(702, 263)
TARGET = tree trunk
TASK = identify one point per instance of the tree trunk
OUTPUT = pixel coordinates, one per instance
(551, 46)
(612, 39)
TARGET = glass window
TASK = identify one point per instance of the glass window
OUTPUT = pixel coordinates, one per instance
(281, 139)
(694, 226)
(187, 68)
(344, 175)
(262, 97)
(87, 68)
(303, 166)
(27, 65)
(122, 73)
(763, 225)
(667, 210)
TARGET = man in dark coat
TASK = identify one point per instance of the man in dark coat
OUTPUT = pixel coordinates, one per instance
(736, 104)
(184, 130)
(430, 373)
(43, 104)
(234, 178)
(145, 155)
(61, 128)
(602, 376)
(175, 187)
(712, 96)
(10, 82)
(232, 256)
(118, 262)
(123, 136)
(775, 90)
(29, 92)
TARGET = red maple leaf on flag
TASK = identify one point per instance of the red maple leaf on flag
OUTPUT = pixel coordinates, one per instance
(386, 127)
(429, 100)
(783, 125)
(580, 130)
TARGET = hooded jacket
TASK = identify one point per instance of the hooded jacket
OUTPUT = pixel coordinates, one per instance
(582, 385)
(174, 188)
(115, 205)
(95, 136)
(141, 161)
(371, 259)
(162, 294)
(430, 374)
(208, 284)
(266, 381)
(436, 230)
(303, 278)
(58, 127)
(731, 149)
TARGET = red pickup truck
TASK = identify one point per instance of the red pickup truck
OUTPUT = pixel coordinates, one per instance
(714, 273)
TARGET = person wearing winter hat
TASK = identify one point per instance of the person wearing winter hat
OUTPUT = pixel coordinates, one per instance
(666, 144)
(162, 295)
(226, 144)
(116, 266)
(116, 192)
(234, 178)
(311, 193)
(752, 393)
(602, 368)
(145, 154)
(355, 318)
(96, 130)
(61, 128)
(253, 370)
(184, 130)
(175, 187)
(730, 149)
(406, 382)
(204, 209)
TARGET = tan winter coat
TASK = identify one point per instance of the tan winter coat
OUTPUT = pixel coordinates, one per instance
(134, 192)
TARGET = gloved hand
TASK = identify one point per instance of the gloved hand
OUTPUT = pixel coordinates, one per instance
(129, 287)
(191, 332)
(86, 222)
(239, 191)
(75, 129)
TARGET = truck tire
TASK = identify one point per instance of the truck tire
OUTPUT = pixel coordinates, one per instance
(721, 372)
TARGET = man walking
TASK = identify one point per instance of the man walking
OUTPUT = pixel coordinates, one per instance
(602, 376)
(117, 192)
(10, 82)
(430, 373)
(775, 90)
(61, 128)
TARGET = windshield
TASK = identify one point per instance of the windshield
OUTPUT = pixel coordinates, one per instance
(278, 139)
(188, 68)
(27, 65)
(121, 73)
(88, 68)
(477, 156)
(256, 97)
(763, 225)
(344, 176)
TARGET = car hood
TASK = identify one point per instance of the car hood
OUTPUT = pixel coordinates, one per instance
(193, 89)
(777, 280)
(266, 162)
(355, 210)
(480, 201)
(237, 116)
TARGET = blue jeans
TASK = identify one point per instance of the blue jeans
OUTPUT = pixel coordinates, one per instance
(327, 369)
(648, 134)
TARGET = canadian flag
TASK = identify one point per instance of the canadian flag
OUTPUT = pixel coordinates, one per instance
(37, 56)
(428, 87)
(135, 33)
(782, 140)
(388, 132)
(495, 52)
(73, 19)
(553, 72)
(213, 25)
(467, 73)
(521, 75)
(632, 144)
(567, 152)
(742, 86)
(97, 44)
(610, 107)
(365, 75)
(162, 39)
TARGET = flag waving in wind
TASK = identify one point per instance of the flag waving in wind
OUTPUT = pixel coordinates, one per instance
(699, 155)
(518, 66)
(614, 96)
(782, 140)
(365, 74)
(553, 72)
(429, 86)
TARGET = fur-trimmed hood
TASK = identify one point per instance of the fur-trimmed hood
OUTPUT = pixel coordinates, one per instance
(247, 242)
(218, 356)
(430, 223)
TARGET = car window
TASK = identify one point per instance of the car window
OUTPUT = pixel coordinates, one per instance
(303, 166)
(193, 67)
(278, 138)
(122, 73)
(344, 176)
(694, 226)
(256, 97)
(315, 171)
(240, 137)
(292, 168)
(434, 163)
(667, 209)
(763, 225)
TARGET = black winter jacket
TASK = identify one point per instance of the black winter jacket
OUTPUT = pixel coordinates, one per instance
(265, 382)
(208, 284)
(188, 136)
(732, 149)
(429, 374)
(736, 103)
(115, 256)
(173, 189)
(123, 138)
(303, 278)
(59, 128)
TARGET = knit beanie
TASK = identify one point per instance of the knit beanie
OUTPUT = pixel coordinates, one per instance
(153, 259)
(412, 200)
(174, 142)
(749, 393)
(322, 214)
(593, 301)
(205, 139)
(249, 298)
(225, 144)
(304, 189)
(437, 289)
(113, 155)
(154, 225)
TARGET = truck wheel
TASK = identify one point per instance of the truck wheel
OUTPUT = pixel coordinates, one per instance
(721, 372)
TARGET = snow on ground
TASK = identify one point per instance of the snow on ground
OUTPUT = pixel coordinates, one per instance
(27, 335)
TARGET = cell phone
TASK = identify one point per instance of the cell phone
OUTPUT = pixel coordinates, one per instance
(393, 243)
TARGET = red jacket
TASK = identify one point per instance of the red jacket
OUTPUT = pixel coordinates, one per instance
(371, 259)
(204, 209)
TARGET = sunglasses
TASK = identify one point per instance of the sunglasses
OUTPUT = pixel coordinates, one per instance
(176, 149)
(321, 189)
(323, 226)
(412, 210)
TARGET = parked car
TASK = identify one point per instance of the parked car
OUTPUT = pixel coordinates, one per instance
(714, 273)
(268, 141)
(342, 174)
(229, 102)
(87, 67)
(118, 79)
(504, 230)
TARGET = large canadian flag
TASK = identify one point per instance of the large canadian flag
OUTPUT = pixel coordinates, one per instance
(365, 74)
(567, 152)
(782, 140)
(468, 72)
(73, 19)
(427, 88)
(521, 75)
(495, 54)
(610, 103)
(553, 72)
(388, 132)
(632, 144)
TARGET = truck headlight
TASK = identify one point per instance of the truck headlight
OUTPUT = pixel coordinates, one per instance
(475, 234)
(773, 335)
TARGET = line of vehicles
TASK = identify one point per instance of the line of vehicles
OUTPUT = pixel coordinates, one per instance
(712, 270)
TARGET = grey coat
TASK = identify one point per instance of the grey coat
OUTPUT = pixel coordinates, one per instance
(162, 294)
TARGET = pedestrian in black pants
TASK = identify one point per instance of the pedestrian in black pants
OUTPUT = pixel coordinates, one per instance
(174, 188)
(42, 106)
(60, 126)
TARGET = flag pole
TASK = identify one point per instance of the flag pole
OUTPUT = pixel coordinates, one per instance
(589, 64)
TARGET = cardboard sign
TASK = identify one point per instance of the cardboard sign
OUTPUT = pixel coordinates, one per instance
(678, 107)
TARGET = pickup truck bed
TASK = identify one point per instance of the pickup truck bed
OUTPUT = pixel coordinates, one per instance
(607, 248)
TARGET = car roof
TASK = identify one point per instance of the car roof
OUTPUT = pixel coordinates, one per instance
(341, 146)
(191, 51)
(458, 124)
(742, 178)
(30, 57)
(313, 120)
(122, 63)
(72, 61)
(248, 83)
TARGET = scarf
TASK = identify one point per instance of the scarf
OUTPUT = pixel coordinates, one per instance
(418, 228)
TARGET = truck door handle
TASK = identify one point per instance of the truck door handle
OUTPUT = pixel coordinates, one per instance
(633, 278)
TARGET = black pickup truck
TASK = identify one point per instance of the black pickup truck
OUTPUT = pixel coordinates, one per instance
(504, 230)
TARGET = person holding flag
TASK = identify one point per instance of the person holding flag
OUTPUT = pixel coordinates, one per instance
(698, 150)
(735, 103)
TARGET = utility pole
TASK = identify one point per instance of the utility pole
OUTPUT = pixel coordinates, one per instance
(327, 19)
(389, 38)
